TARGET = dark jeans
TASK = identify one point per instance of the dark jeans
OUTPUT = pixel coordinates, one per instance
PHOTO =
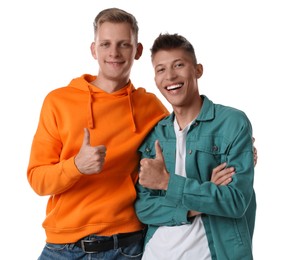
(72, 252)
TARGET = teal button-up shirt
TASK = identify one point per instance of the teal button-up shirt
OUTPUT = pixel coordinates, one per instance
(219, 134)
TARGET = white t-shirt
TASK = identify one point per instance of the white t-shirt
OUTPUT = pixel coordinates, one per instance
(179, 242)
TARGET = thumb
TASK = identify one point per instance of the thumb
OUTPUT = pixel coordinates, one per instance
(86, 139)
(159, 153)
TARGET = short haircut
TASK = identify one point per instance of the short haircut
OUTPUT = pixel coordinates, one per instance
(116, 15)
(172, 41)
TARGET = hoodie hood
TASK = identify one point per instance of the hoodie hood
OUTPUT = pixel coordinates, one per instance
(83, 83)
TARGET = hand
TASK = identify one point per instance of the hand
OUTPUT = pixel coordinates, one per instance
(153, 173)
(255, 157)
(90, 159)
(221, 175)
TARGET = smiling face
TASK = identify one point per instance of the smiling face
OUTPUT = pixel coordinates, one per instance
(176, 76)
(115, 49)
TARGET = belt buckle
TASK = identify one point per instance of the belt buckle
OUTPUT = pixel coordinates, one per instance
(83, 241)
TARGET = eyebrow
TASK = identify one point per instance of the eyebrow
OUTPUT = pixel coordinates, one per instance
(176, 60)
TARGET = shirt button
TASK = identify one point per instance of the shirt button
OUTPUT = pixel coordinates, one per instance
(215, 148)
(190, 151)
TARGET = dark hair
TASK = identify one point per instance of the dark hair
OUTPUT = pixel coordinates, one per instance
(116, 15)
(172, 41)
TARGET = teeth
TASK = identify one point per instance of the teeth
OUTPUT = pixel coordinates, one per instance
(173, 87)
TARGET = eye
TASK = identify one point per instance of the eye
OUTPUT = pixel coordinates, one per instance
(179, 65)
(104, 44)
(160, 70)
(125, 45)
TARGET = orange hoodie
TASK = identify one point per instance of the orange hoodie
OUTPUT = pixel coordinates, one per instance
(102, 203)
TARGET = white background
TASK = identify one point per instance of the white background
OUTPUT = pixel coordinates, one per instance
(44, 44)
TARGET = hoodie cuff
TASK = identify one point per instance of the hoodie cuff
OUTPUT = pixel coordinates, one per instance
(70, 169)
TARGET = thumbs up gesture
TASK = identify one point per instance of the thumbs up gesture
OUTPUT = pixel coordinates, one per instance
(153, 173)
(90, 159)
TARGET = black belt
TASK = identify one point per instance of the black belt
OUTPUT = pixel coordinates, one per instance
(96, 245)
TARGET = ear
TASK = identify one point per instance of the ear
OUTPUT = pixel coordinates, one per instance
(93, 50)
(139, 51)
(198, 70)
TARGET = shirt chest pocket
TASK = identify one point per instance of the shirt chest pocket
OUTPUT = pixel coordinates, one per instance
(210, 152)
(213, 146)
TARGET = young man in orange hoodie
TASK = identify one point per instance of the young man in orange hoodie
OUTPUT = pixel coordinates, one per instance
(84, 152)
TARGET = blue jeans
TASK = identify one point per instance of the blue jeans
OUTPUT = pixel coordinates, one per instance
(72, 252)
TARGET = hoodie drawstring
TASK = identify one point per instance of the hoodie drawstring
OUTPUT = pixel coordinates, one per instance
(91, 123)
(131, 108)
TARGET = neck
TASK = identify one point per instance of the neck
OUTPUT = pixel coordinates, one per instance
(185, 115)
(109, 85)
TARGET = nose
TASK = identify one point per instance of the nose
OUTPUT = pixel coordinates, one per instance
(113, 51)
(171, 74)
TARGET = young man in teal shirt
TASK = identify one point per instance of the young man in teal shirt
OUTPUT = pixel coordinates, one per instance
(188, 216)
